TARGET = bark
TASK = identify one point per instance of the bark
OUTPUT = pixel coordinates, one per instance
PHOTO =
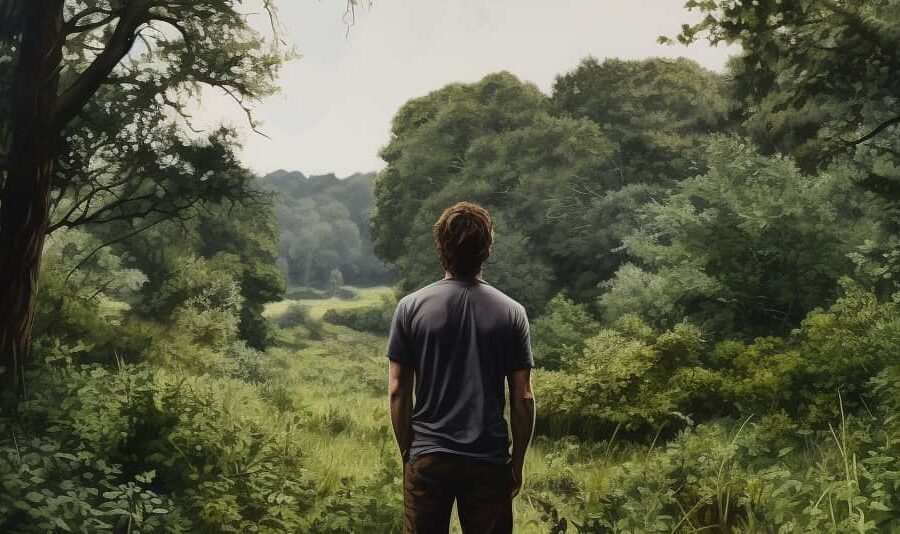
(25, 197)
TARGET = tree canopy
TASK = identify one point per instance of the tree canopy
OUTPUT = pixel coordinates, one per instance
(561, 174)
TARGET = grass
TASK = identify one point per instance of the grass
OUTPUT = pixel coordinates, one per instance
(340, 381)
(366, 296)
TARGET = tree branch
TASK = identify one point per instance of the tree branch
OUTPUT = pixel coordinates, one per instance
(70, 102)
(878, 129)
(113, 242)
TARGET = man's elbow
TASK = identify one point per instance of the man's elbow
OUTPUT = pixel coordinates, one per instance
(523, 404)
(399, 391)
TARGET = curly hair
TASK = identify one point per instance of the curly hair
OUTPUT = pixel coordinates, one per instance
(464, 234)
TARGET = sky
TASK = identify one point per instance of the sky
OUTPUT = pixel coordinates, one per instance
(336, 103)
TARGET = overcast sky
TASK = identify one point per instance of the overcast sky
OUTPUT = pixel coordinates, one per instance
(336, 103)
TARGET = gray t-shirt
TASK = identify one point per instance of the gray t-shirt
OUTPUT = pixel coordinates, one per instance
(462, 337)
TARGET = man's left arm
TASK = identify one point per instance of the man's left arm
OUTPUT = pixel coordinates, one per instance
(400, 394)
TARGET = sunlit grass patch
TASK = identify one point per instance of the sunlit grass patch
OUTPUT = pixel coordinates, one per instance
(367, 296)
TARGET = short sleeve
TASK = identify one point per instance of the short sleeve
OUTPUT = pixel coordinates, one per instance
(520, 355)
(398, 340)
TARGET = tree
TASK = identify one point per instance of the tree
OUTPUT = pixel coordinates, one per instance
(563, 175)
(78, 66)
(324, 223)
(429, 139)
(657, 111)
(336, 280)
(824, 73)
(495, 142)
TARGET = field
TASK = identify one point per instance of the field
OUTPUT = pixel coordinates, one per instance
(365, 296)
(340, 380)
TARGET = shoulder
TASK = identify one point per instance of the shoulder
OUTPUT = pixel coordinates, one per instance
(504, 299)
(411, 298)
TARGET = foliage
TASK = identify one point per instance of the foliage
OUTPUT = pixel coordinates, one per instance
(127, 155)
(658, 112)
(748, 248)
(834, 352)
(620, 382)
(295, 315)
(52, 489)
(559, 333)
(562, 180)
(817, 77)
(375, 318)
(225, 468)
(716, 324)
(323, 225)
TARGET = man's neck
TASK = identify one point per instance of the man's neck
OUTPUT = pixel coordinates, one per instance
(448, 275)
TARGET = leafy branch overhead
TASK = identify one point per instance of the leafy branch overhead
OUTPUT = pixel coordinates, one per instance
(148, 62)
(165, 51)
(826, 74)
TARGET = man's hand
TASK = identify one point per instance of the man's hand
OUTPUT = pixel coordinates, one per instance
(517, 474)
(400, 394)
(521, 407)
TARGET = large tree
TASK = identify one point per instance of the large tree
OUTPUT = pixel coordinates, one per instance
(95, 87)
(658, 111)
(495, 142)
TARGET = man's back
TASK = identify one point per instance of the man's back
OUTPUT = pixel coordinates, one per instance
(463, 337)
(453, 343)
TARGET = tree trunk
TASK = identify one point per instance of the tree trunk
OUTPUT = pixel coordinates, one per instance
(24, 210)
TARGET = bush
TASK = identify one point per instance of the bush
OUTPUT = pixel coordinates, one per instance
(217, 450)
(345, 293)
(630, 384)
(309, 293)
(52, 489)
(833, 351)
(375, 319)
(295, 315)
(558, 334)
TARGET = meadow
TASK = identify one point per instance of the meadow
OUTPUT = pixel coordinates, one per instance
(340, 380)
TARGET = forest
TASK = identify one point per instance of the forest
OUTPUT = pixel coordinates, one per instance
(710, 263)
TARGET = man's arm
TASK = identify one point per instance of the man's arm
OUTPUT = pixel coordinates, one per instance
(400, 393)
(522, 412)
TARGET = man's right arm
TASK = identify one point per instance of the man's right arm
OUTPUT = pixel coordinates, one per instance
(400, 394)
(522, 413)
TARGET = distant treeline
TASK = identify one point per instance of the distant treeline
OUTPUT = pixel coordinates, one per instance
(323, 224)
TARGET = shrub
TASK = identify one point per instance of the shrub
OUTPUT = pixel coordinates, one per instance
(298, 293)
(295, 315)
(227, 460)
(833, 351)
(635, 385)
(558, 334)
(52, 489)
(375, 319)
(345, 293)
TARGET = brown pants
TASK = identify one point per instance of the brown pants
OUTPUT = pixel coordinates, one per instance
(431, 482)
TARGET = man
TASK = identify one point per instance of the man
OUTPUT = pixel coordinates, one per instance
(454, 342)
